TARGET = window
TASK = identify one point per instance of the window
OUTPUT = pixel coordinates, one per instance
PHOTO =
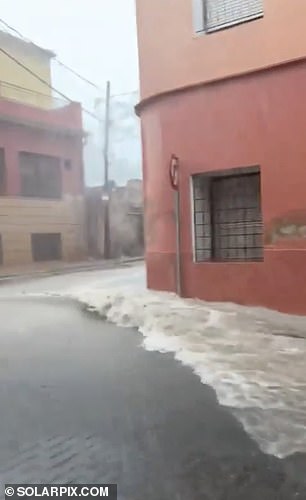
(227, 217)
(40, 176)
(2, 172)
(68, 164)
(213, 15)
(46, 246)
(198, 16)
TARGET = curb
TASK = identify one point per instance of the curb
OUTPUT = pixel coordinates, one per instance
(111, 264)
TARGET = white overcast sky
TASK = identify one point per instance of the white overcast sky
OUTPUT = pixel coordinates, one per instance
(96, 37)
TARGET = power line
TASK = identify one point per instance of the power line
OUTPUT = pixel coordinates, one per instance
(34, 74)
(68, 68)
(15, 30)
(44, 81)
(75, 73)
(125, 93)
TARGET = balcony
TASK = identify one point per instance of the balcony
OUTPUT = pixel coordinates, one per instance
(24, 107)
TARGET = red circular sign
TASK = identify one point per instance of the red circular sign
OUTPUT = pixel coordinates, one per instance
(173, 171)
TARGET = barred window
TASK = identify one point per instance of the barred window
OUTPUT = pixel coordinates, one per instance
(227, 217)
(213, 15)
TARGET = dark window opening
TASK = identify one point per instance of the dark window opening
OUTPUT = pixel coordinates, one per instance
(2, 172)
(46, 246)
(227, 217)
(68, 165)
(40, 176)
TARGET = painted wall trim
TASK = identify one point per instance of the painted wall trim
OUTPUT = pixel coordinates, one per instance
(15, 121)
(144, 103)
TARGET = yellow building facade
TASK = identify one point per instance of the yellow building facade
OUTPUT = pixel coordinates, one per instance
(19, 84)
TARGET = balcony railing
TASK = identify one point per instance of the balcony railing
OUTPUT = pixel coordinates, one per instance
(11, 92)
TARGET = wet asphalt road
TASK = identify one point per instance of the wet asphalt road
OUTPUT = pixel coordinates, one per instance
(81, 401)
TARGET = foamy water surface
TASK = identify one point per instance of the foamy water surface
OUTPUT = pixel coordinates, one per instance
(255, 359)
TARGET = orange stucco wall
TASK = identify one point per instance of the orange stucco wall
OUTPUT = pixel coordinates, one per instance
(171, 56)
(259, 119)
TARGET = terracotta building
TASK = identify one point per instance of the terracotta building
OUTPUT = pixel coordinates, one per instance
(222, 88)
(41, 161)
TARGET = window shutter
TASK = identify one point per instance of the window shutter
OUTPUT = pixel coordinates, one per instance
(222, 13)
(198, 15)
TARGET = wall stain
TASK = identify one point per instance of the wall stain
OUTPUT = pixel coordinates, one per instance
(291, 225)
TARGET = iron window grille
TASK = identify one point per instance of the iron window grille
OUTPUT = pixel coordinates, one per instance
(213, 15)
(227, 217)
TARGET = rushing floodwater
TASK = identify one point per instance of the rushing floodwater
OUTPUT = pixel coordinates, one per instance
(254, 358)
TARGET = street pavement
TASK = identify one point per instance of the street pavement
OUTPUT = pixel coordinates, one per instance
(82, 401)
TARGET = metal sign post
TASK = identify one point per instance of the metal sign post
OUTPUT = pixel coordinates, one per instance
(178, 243)
(174, 181)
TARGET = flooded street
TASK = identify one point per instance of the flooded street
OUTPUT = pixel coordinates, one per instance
(252, 357)
(82, 401)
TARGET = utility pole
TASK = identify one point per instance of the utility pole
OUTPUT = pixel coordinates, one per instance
(106, 176)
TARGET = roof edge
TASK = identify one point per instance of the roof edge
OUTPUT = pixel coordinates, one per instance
(27, 44)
